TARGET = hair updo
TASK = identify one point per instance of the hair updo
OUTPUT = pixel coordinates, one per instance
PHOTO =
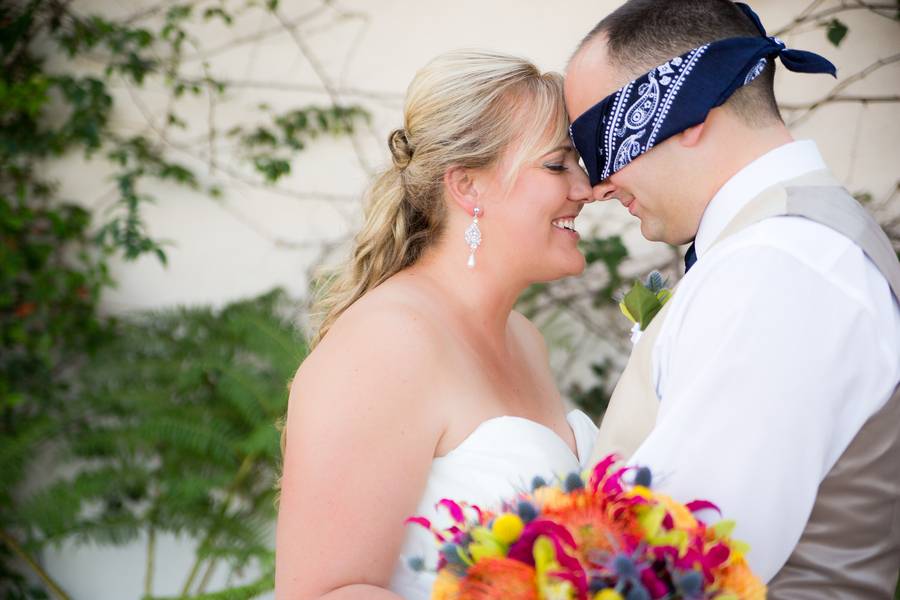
(401, 151)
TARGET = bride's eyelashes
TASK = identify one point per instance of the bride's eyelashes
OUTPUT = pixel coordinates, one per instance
(556, 167)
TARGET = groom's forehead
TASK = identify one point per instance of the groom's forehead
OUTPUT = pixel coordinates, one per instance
(591, 76)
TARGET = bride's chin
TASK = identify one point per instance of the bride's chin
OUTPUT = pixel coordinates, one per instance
(578, 265)
(573, 267)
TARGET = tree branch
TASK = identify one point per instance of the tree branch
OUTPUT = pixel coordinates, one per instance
(841, 98)
(257, 36)
(807, 16)
(835, 91)
(325, 80)
(13, 545)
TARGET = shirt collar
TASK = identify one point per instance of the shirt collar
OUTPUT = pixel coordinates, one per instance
(781, 164)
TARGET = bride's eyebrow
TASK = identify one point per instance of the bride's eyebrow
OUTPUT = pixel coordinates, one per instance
(561, 148)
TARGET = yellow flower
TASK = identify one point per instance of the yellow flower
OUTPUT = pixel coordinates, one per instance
(507, 528)
(608, 594)
(641, 491)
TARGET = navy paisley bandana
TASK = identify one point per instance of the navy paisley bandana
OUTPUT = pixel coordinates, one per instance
(676, 95)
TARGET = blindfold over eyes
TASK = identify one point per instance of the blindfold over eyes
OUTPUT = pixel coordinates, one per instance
(676, 95)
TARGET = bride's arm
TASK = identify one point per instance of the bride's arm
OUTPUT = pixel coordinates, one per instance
(360, 438)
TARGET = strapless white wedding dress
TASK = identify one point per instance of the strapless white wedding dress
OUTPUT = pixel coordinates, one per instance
(500, 457)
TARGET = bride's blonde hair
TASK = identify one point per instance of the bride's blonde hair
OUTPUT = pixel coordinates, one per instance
(464, 108)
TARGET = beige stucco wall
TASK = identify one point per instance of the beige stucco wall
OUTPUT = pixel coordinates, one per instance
(257, 238)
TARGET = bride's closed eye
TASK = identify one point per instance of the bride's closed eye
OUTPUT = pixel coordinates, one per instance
(556, 162)
(556, 167)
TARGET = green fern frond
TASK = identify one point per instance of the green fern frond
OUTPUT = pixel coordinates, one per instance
(252, 590)
(17, 450)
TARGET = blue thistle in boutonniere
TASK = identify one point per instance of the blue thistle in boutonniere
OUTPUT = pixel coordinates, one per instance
(645, 299)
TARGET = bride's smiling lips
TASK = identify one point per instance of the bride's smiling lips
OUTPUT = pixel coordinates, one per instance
(566, 224)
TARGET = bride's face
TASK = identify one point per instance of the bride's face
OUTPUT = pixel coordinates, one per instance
(531, 223)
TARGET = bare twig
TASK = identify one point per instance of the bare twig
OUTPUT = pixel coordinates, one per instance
(256, 36)
(841, 98)
(151, 556)
(835, 91)
(808, 16)
(325, 80)
(155, 10)
(20, 552)
(303, 87)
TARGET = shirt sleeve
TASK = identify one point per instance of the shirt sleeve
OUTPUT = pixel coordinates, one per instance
(768, 372)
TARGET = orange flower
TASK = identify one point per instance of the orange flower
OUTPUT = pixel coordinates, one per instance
(498, 579)
(591, 526)
(737, 579)
(551, 497)
(683, 518)
(446, 586)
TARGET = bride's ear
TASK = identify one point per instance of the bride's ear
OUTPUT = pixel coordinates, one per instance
(461, 188)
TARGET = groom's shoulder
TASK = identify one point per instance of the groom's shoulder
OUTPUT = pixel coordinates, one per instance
(814, 245)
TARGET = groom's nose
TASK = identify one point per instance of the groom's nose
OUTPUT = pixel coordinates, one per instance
(605, 190)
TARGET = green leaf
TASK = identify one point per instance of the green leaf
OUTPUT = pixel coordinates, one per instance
(724, 528)
(642, 304)
(836, 31)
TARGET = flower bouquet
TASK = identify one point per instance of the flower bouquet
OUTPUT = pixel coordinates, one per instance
(590, 537)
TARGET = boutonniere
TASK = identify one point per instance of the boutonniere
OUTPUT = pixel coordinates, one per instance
(645, 299)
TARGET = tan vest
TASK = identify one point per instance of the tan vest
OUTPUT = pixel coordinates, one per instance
(850, 547)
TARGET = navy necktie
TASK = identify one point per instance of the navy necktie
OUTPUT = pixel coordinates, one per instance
(690, 257)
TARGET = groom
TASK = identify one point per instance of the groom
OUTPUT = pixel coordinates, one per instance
(768, 384)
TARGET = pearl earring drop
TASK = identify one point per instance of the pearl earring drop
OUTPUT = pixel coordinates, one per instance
(473, 238)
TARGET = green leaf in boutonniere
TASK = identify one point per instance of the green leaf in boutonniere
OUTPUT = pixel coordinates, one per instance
(645, 299)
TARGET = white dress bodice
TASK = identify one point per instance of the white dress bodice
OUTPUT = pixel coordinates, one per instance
(498, 459)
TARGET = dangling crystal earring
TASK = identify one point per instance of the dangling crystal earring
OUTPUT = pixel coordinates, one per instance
(473, 238)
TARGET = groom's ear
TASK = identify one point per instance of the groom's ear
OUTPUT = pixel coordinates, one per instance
(461, 188)
(691, 136)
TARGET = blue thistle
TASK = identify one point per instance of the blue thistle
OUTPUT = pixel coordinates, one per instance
(596, 584)
(690, 584)
(624, 567)
(417, 564)
(527, 511)
(643, 477)
(637, 592)
(574, 482)
(538, 482)
(451, 554)
(655, 281)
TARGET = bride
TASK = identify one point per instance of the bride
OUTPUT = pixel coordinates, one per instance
(424, 382)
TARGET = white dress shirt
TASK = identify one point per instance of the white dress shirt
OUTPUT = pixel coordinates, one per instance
(780, 343)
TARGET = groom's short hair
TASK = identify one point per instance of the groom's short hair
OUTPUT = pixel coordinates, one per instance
(642, 34)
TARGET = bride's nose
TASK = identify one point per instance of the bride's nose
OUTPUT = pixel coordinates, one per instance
(580, 188)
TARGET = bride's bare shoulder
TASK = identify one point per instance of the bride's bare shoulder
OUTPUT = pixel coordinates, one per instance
(384, 337)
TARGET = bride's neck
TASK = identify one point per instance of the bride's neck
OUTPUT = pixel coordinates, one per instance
(485, 295)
